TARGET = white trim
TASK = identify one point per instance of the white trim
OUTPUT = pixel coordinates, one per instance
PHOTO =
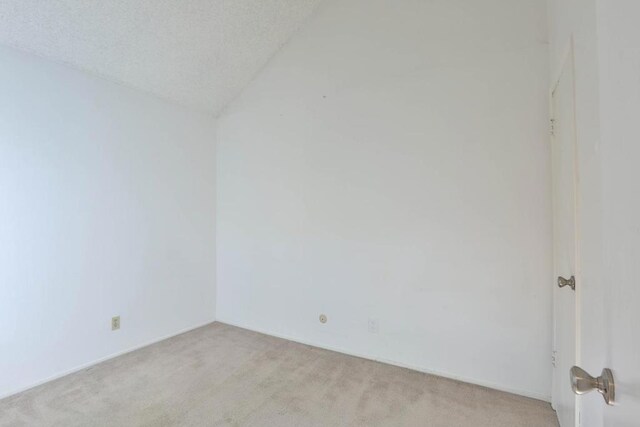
(525, 393)
(103, 359)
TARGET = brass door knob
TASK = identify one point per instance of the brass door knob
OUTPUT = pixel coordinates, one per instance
(571, 282)
(582, 382)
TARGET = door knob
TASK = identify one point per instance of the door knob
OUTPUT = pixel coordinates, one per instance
(582, 382)
(571, 282)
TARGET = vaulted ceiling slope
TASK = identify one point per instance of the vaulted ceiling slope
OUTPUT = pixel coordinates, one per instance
(200, 53)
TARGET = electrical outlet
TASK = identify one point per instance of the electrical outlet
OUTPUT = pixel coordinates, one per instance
(115, 323)
(374, 326)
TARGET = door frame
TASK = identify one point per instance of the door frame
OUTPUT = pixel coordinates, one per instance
(568, 65)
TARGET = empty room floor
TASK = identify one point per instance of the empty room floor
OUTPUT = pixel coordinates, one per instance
(221, 375)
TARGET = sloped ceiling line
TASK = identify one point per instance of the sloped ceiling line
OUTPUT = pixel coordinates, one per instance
(199, 53)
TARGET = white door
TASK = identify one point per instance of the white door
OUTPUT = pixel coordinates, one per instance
(611, 304)
(564, 172)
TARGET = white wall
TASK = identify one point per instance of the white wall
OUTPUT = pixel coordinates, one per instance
(392, 163)
(107, 200)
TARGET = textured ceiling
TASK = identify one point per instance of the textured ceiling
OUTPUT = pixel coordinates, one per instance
(200, 53)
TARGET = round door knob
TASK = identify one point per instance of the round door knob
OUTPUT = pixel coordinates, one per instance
(570, 282)
(582, 382)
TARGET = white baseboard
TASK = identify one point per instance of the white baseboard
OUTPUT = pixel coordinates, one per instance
(103, 359)
(525, 393)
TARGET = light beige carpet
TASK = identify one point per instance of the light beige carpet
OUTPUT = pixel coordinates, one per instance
(221, 375)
